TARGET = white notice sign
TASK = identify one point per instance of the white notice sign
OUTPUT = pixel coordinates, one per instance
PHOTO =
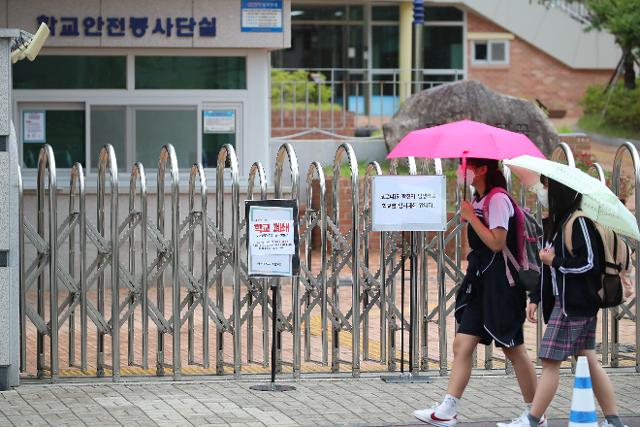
(33, 126)
(219, 121)
(409, 203)
(271, 237)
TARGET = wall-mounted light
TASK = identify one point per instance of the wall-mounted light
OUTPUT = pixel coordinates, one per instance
(28, 45)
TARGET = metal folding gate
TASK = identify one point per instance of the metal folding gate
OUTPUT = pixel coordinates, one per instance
(119, 270)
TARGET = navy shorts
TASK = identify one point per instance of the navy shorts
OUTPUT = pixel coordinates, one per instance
(472, 323)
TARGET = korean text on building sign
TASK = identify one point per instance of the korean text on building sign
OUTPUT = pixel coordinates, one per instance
(138, 26)
(271, 237)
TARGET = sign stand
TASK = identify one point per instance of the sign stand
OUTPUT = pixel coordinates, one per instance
(272, 227)
(272, 386)
(408, 377)
(414, 203)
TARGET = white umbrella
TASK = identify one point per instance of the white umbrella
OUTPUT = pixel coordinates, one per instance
(598, 201)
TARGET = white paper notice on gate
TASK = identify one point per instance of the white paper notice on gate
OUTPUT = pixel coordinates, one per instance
(271, 237)
(409, 203)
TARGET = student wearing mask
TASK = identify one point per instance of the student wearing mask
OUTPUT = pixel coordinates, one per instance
(489, 306)
(570, 304)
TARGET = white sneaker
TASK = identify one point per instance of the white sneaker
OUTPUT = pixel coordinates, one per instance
(523, 421)
(429, 416)
(605, 423)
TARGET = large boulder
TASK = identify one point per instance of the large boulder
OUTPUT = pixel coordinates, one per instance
(473, 100)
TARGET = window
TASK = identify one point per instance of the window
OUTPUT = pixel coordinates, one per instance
(155, 127)
(191, 72)
(71, 72)
(318, 13)
(442, 47)
(490, 52)
(385, 13)
(64, 131)
(385, 46)
(314, 46)
(109, 126)
(439, 13)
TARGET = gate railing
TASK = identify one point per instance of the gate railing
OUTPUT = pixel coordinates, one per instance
(199, 260)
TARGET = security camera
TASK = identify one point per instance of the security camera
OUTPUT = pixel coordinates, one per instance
(37, 41)
(29, 45)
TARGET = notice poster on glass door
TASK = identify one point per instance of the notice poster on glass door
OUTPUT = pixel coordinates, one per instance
(33, 126)
(218, 121)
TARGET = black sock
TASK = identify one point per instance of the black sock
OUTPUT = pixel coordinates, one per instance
(533, 420)
(614, 420)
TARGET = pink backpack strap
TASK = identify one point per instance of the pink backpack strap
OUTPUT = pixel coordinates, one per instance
(520, 257)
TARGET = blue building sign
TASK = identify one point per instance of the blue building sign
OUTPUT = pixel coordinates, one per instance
(137, 26)
(261, 16)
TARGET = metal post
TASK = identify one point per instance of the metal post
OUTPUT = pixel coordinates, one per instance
(168, 155)
(46, 161)
(107, 162)
(197, 174)
(286, 150)
(315, 172)
(138, 176)
(77, 183)
(228, 153)
(597, 170)
(615, 321)
(418, 27)
(257, 170)
(373, 169)
(346, 151)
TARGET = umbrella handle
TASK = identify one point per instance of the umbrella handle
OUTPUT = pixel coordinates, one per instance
(464, 188)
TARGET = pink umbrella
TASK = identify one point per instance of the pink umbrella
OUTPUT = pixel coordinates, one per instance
(464, 139)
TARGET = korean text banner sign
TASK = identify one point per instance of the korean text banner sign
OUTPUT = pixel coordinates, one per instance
(409, 203)
(272, 237)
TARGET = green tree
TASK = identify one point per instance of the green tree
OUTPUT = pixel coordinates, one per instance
(621, 18)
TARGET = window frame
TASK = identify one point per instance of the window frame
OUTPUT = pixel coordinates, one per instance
(239, 99)
(490, 60)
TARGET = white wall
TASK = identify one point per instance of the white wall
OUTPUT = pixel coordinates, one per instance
(22, 14)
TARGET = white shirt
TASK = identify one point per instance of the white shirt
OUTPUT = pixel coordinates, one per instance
(500, 211)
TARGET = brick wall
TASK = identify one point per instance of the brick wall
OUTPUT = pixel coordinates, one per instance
(286, 122)
(580, 144)
(532, 73)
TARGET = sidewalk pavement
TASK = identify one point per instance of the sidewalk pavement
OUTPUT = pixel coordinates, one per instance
(316, 401)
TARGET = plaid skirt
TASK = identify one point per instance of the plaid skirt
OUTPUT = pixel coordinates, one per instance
(565, 336)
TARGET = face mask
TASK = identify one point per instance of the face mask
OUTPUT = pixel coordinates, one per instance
(542, 194)
(460, 176)
(543, 198)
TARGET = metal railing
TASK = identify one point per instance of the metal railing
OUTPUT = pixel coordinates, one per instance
(575, 9)
(338, 252)
(345, 99)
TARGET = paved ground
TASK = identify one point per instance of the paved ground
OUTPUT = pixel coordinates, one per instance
(316, 401)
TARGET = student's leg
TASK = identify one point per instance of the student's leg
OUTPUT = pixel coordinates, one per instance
(547, 387)
(463, 347)
(445, 414)
(525, 372)
(602, 387)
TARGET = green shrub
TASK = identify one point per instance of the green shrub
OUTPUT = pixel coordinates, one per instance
(284, 83)
(622, 105)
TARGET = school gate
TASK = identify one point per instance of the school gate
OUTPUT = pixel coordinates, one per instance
(151, 280)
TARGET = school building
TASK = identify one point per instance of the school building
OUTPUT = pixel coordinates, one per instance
(196, 73)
